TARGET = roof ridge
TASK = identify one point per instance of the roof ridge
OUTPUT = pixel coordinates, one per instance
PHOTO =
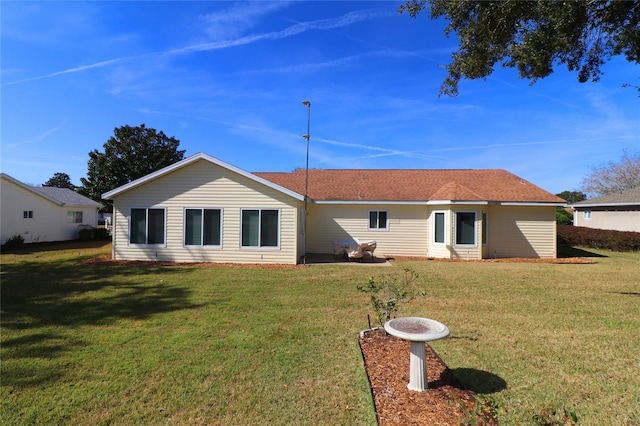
(452, 189)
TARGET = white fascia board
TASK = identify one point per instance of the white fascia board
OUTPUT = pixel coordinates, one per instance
(529, 204)
(578, 206)
(432, 202)
(200, 156)
(444, 202)
(363, 202)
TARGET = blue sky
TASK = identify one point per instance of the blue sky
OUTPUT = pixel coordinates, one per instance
(228, 79)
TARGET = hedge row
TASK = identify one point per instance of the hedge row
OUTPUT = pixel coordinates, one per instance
(598, 238)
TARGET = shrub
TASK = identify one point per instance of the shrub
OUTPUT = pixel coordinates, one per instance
(386, 292)
(101, 234)
(87, 234)
(14, 242)
(598, 238)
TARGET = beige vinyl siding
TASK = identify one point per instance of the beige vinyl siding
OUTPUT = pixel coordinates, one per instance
(522, 231)
(206, 185)
(407, 233)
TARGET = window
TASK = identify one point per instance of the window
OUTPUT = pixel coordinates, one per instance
(465, 228)
(485, 226)
(202, 227)
(74, 217)
(27, 214)
(586, 214)
(147, 226)
(378, 220)
(260, 228)
(438, 231)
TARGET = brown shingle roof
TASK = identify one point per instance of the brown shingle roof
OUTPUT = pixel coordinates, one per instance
(630, 197)
(412, 185)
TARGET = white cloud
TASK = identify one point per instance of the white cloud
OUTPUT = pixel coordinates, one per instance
(235, 20)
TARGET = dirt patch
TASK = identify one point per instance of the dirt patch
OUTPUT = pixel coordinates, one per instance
(386, 360)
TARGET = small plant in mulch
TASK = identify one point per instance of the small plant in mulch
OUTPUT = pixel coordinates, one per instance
(387, 292)
(554, 415)
(483, 412)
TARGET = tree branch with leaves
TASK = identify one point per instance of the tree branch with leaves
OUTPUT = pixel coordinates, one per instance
(534, 36)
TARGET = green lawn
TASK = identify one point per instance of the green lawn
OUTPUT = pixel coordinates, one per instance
(94, 344)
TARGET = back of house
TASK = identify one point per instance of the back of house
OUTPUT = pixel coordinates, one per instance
(204, 210)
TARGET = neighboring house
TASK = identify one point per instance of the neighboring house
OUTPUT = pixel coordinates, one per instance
(619, 212)
(204, 210)
(40, 213)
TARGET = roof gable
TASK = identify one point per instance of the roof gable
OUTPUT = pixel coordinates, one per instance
(381, 185)
(455, 191)
(59, 196)
(191, 160)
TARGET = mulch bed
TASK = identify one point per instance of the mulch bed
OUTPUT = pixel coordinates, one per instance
(446, 402)
(107, 260)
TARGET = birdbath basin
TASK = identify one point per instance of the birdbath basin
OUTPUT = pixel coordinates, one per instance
(417, 331)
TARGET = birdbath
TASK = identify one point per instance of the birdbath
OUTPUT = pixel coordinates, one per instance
(417, 331)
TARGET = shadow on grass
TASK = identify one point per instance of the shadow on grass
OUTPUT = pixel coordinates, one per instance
(41, 300)
(479, 381)
(33, 248)
(628, 293)
(568, 251)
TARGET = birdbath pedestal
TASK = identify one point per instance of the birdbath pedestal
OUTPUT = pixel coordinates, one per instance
(418, 331)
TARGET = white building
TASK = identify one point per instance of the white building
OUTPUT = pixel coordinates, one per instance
(40, 214)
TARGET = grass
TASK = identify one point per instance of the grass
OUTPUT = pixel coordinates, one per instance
(96, 344)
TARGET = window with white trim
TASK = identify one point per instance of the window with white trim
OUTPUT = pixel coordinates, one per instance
(74, 217)
(586, 214)
(378, 219)
(439, 228)
(147, 226)
(27, 214)
(203, 227)
(260, 228)
(465, 228)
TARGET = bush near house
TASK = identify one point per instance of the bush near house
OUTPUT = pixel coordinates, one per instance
(90, 233)
(15, 242)
(598, 238)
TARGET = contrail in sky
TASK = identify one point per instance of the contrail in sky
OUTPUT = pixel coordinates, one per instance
(298, 28)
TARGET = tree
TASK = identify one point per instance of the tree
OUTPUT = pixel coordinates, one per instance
(613, 178)
(563, 217)
(534, 36)
(60, 180)
(133, 152)
(572, 196)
